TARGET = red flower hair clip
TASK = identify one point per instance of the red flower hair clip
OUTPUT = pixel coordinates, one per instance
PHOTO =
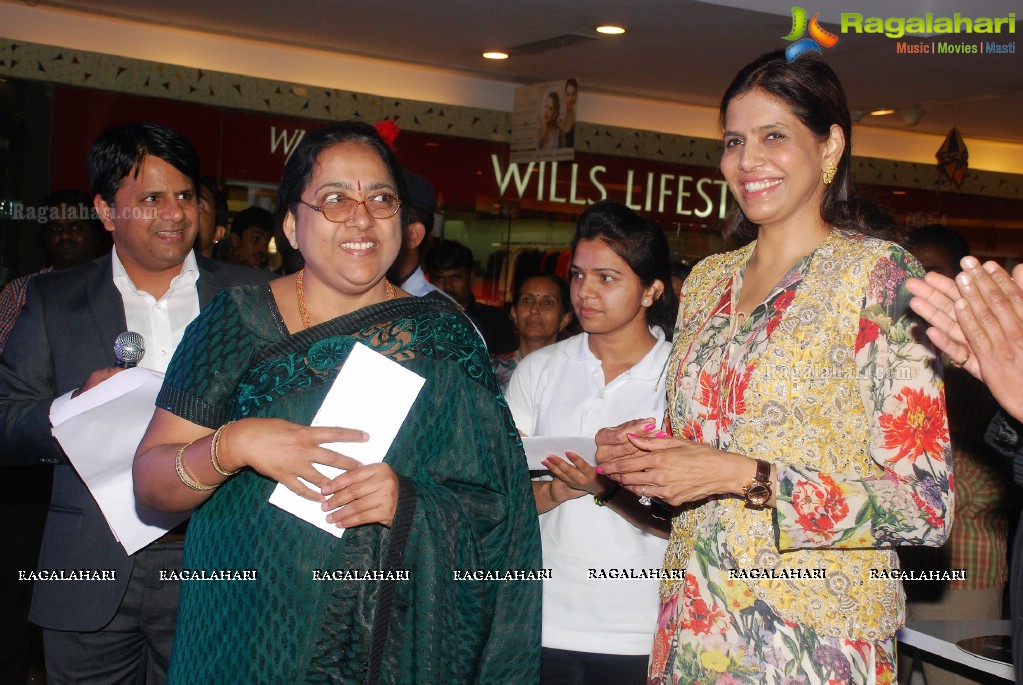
(389, 131)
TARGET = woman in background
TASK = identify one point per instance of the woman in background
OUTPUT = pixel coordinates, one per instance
(600, 605)
(541, 311)
(809, 424)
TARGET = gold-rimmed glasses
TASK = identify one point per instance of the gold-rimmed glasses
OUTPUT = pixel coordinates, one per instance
(339, 208)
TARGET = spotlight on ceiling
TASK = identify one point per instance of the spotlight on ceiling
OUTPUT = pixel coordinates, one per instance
(882, 112)
(495, 55)
(610, 30)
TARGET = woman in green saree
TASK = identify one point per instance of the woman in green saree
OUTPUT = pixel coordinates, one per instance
(452, 495)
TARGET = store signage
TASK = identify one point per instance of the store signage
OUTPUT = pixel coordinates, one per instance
(287, 142)
(571, 183)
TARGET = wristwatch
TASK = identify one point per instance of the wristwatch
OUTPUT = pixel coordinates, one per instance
(758, 492)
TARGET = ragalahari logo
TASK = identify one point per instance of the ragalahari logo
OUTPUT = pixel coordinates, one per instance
(818, 38)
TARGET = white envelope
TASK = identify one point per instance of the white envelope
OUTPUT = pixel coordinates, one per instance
(539, 448)
(371, 393)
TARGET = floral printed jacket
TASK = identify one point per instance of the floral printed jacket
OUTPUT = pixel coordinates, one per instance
(828, 380)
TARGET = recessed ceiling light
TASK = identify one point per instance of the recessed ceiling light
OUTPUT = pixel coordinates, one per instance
(611, 30)
(881, 112)
(496, 55)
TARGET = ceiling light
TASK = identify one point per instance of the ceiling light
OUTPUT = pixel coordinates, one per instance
(881, 112)
(912, 116)
(611, 30)
(496, 55)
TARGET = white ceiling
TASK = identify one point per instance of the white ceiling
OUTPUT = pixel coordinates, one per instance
(681, 51)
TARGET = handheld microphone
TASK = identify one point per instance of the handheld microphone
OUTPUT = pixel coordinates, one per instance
(129, 348)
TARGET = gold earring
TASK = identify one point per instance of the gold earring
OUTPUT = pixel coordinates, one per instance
(828, 173)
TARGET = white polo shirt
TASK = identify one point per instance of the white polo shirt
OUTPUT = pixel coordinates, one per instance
(560, 390)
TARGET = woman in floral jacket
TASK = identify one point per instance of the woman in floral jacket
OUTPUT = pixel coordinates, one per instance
(808, 426)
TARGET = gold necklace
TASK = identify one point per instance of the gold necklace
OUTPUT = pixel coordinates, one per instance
(300, 292)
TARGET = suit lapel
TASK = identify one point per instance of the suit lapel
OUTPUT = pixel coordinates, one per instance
(210, 282)
(105, 303)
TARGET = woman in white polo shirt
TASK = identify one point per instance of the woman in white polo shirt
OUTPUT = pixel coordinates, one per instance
(605, 551)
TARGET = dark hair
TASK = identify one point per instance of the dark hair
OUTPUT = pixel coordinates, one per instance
(572, 82)
(449, 254)
(641, 243)
(812, 91)
(219, 201)
(564, 295)
(80, 200)
(82, 203)
(68, 196)
(557, 100)
(298, 170)
(681, 270)
(939, 235)
(254, 216)
(420, 200)
(120, 150)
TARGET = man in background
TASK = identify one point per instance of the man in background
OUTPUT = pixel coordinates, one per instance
(420, 204)
(71, 236)
(118, 628)
(212, 217)
(450, 264)
(250, 236)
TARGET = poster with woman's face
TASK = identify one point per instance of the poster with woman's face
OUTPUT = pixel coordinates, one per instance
(544, 122)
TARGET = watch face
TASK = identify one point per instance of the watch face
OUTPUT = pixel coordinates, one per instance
(758, 493)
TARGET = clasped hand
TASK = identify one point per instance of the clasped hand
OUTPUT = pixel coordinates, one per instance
(670, 469)
(572, 478)
(977, 320)
(287, 452)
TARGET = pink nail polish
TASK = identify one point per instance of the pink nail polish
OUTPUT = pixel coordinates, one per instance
(650, 426)
(600, 470)
(662, 434)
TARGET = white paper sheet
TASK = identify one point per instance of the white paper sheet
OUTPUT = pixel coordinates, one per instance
(100, 431)
(539, 448)
(371, 393)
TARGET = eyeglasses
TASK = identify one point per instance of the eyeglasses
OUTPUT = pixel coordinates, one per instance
(340, 208)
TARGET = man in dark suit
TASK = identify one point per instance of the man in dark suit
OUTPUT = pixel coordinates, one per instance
(119, 628)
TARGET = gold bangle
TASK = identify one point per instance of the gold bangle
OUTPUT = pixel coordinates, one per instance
(214, 444)
(179, 466)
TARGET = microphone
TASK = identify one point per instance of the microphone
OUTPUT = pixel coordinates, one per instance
(129, 348)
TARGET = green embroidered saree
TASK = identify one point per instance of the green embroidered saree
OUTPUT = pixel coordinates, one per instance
(464, 503)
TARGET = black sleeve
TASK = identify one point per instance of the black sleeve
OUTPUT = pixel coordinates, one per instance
(27, 389)
(1005, 435)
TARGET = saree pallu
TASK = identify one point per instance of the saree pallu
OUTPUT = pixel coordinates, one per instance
(464, 503)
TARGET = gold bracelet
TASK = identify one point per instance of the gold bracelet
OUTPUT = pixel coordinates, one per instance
(214, 444)
(179, 466)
